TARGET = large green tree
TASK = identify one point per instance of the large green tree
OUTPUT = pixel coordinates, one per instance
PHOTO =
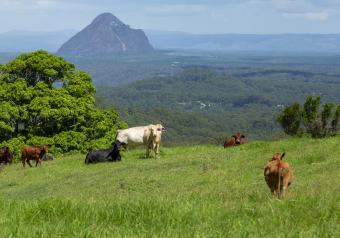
(45, 100)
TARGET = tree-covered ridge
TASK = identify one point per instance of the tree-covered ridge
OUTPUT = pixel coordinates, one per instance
(45, 100)
(204, 104)
(223, 90)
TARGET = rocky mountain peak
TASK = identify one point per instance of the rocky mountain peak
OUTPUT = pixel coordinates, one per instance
(107, 19)
(106, 35)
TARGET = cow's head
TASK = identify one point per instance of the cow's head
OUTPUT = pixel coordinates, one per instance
(118, 145)
(278, 156)
(238, 138)
(44, 150)
(159, 127)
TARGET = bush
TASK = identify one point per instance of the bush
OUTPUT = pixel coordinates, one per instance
(310, 119)
(290, 120)
(70, 141)
(15, 145)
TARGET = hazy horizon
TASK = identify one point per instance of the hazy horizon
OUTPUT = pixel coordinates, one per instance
(165, 31)
(195, 17)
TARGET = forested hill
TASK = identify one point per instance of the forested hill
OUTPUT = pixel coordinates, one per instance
(205, 105)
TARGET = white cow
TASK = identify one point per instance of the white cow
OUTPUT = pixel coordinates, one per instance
(155, 138)
(141, 135)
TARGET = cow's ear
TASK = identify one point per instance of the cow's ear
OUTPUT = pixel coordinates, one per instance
(243, 136)
(283, 155)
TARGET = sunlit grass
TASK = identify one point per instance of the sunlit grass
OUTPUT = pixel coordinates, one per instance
(197, 191)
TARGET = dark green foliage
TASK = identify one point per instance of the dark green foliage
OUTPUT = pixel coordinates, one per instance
(39, 66)
(205, 104)
(335, 121)
(38, 113)
(311, 116)
(326, 115)
(318, 123)
(290, 119)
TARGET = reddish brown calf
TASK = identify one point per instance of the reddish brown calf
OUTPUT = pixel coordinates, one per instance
(33, 153)
(236, 139)
(278, 175)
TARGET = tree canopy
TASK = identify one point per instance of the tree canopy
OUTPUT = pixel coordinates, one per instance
(45, 100)
(310, 119)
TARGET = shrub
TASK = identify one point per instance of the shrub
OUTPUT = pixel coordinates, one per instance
(310, 119)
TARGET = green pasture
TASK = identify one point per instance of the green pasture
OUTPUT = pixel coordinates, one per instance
(196, 191)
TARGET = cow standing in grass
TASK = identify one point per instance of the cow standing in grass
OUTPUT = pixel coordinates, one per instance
(278, 175)
(155, 138)
(236, 139)
(33, 153)
(142, 135)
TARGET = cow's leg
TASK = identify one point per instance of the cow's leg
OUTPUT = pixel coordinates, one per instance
(273, 191)
(23, 160)
(283, 191)
(37, 161)
(285, 186)
(157, 149)
(147, 153)
(118, 158)
(28, 162)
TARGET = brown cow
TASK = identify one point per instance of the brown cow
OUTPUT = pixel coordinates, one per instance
(237, 139)
(6, 156)
(278, 175)
(33, 153)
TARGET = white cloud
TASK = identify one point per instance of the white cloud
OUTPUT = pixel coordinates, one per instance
(319, 16)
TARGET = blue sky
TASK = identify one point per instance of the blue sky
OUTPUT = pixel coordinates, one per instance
(194, 16)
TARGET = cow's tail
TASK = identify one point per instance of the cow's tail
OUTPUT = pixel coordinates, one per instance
(279, 181)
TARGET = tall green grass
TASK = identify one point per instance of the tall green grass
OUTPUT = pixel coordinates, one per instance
(198, 191)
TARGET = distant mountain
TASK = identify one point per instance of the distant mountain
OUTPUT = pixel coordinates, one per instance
(24, 41)
(106, 35)
(245, 42)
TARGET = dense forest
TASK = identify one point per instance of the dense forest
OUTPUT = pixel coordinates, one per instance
(205, 104)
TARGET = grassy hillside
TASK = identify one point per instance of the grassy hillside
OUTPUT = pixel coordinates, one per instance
(198, 191)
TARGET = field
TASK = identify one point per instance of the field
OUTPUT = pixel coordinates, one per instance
(196, 191)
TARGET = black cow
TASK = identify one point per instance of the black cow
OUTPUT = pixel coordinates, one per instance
(6, 156)
(104, 155)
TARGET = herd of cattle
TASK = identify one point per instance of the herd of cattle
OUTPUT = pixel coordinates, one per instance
(278, 174)
(150, 136)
